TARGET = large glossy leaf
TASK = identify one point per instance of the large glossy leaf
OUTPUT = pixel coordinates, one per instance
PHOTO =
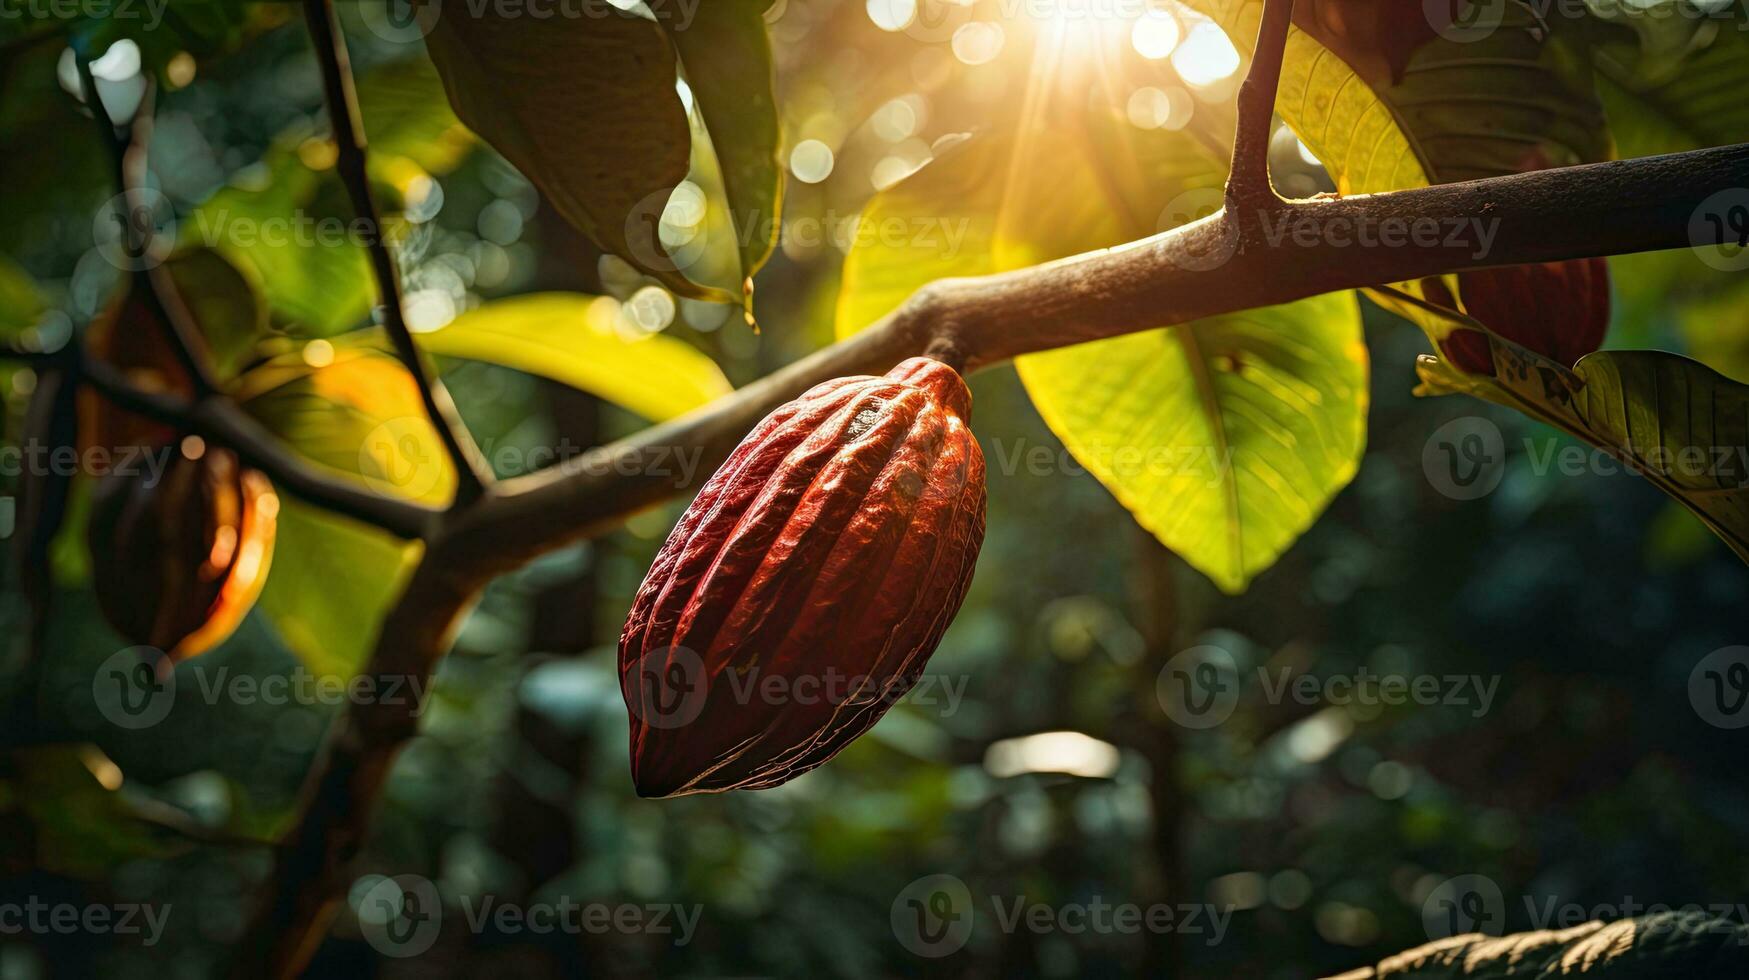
(1676, 422)
(575, 340)
(586, 108)
(1671, 944)
(726, 55)
(1681, 89)
(1225, 437)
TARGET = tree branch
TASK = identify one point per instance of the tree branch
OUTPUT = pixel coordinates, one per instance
(1550, 215)
(474, 477)
(219, 420)
(152, 282)
(1248, 179)
(1297, 249)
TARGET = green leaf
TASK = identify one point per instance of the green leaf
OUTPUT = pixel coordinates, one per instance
(1675, 421)
(290, 222)
(576, 340)
(1669, 944)
(726, 55)
(587, 109)
(1225, 437)
(332, 581)
(1681, 87)
(21, 302)
(359, 415)
(227, 305)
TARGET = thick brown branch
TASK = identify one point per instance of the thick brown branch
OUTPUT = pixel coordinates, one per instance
(1289, 251)
(473, 475)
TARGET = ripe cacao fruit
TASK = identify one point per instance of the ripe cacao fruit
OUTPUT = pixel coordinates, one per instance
(1558, 309)
(177, 560)
(807, 585)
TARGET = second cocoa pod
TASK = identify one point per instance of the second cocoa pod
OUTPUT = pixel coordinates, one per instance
(179, 557)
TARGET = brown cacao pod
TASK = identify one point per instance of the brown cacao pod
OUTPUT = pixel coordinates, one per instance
(1558, 309)
(807, 585)
(178, 558)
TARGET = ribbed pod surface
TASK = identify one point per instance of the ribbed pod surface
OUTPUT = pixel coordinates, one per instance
(804, 589)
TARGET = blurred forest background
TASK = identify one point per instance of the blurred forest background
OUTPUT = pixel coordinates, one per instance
(1589, 600)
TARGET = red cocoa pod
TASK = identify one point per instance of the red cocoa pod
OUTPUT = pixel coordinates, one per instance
(805, 588)
(1558, 309)
(178, 558)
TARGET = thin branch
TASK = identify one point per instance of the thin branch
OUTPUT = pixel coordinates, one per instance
(152, 281)
(474, 476)
(221, 421)
(1248, 181)
(1602, 209)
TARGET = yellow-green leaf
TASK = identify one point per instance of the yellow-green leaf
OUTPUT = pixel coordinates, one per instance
(1675, 421)
(331, 583)
(1225, 437)
(577, 340)
(358, 414)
